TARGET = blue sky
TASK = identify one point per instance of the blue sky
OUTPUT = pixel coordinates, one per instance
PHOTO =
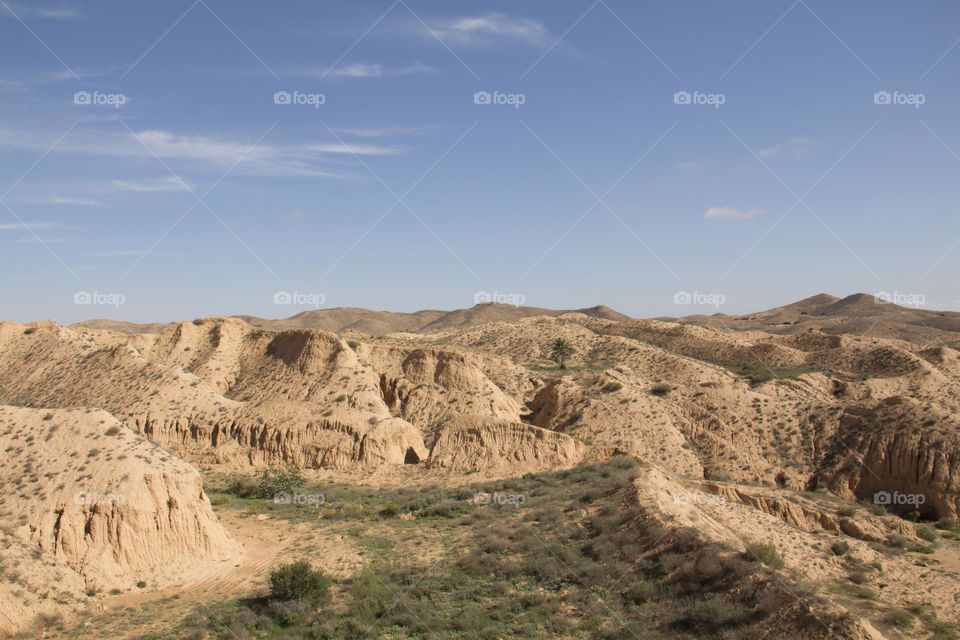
(149, 156)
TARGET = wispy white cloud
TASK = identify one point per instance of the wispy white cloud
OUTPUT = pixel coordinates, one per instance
(33, 12)
(372, 70)
(122, 253)
(42, 240)
(55, 199)
(796, 146)
(27, 226)
(264, 159)
(489, 29)
(385, 132)
(151, 185)
(690, 165)
(731, 213)
(358, 149)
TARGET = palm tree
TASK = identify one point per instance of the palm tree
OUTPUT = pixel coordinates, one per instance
(560, 351)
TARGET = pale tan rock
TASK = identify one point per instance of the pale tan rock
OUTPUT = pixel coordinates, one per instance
(476, 444)
(100, 507)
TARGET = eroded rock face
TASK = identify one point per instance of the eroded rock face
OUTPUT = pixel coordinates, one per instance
(98, 507)
(496, 445)
(901, 450)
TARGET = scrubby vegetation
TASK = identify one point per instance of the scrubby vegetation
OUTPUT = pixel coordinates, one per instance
(562, 561)
(298, 581)
(766, 553)
(269, 483)
(759, 373)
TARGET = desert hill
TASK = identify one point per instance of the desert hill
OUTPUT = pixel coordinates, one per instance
(91, 506)
(378, 323)
(747, 429)
(860, 313)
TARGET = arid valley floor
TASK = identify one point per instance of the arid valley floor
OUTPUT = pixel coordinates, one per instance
(793, 473)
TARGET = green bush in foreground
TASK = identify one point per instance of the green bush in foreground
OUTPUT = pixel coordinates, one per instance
(298, 581)
(766, 553)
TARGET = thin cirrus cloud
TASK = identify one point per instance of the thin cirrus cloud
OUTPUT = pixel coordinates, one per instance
(151, 185)
(261, 159)
(28, 226)
(731, 213)
(372, 70)
(488, 29)
(31, 12)
(384, 132)
(795, 147)
(55, 199)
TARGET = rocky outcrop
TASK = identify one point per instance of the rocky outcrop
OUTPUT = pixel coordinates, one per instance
(496, 445)
(98, 506)
(430, 386)
(280, 433)
(899, 453)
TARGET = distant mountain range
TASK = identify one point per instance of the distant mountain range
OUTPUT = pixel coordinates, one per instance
(859, 313)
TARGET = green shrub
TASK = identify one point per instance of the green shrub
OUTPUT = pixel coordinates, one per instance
(290, 612)
(639, 592)
(899, 618)
(858, 577)
(709, 612)
(946, 523)
(390, 510)
(611, 387)
(926, 532)
(298, 581)
(241, 486)
(765, 553)
(661, 389)
(271, 482)
(840, 548)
